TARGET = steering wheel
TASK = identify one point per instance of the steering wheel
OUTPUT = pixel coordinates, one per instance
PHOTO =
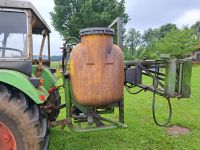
(11, 49)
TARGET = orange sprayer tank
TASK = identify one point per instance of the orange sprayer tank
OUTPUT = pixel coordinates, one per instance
(97, 68)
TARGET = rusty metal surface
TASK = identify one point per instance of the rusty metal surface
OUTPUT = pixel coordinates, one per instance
(118, 22)
(13, 4)
(133, 75)
(97, 71)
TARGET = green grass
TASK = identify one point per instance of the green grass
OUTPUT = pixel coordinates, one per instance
(55, 64)
(141, 133)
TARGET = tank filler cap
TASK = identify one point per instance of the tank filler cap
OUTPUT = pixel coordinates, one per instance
(97, 30)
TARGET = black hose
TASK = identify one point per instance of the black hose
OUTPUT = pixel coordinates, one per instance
(70, 39)
(154, 113)
(66, 51)
(134, 93)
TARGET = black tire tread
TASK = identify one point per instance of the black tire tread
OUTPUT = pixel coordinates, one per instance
(31, 124)
(55, 99)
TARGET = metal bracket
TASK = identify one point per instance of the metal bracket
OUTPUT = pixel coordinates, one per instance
(119, 23)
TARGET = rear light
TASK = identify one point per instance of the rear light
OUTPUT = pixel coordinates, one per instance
(42, 98)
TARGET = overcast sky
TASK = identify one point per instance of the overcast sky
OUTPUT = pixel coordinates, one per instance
(144, 14)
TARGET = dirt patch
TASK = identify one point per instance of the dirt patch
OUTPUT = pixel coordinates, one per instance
(176, 130)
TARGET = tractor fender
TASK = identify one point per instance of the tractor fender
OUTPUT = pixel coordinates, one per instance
(21, 82)
(47, 76)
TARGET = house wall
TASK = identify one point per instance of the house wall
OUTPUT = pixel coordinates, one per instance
(195, 55)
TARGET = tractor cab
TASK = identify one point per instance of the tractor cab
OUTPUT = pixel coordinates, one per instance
(19, 23)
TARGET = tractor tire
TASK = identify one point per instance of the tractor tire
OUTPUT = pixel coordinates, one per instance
(21, 123)
(54, 100)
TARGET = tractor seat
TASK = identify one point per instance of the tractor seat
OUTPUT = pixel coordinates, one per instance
(23, 66)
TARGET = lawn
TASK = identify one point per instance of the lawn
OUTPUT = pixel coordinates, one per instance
(141, 132)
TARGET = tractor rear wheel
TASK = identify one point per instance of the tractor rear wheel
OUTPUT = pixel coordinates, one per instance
(22, 127)
(54, 100)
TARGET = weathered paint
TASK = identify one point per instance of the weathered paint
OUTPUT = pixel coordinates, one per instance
(67, 97)
(170, 78)
(186, 79)
(96, 71)
(47, 76)
(21, 82)
(178, 78)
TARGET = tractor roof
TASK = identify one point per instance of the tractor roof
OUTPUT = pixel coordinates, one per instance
(16, 4)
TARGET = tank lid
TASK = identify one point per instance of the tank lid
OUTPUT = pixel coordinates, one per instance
(97, 30)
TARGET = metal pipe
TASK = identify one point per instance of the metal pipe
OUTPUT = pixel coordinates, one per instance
(67, 96)
(144, 63)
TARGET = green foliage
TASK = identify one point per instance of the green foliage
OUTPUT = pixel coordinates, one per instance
(133, 40)
(145, 53)
(167, 39)
(142, 46)
(139, 46)
(164, 29)
(196, 28)
(152, 35)
(178, 42)
(69, 16)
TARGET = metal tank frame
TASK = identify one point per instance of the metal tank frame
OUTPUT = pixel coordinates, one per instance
(175, 82)
(104, 123)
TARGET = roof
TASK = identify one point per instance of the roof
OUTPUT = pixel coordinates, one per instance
(18, 4)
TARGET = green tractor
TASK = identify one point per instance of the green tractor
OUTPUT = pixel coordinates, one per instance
(93, 72)
(27, 86)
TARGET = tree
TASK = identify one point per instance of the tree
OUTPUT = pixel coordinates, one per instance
(178, 42)
(150, 36)
(69, 16)
(164, 29)
(196, 28)
(133, 40)
(127, 54)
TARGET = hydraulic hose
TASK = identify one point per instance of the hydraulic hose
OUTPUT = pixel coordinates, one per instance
(154, 101)
(154, 112)
(134, 93)
(66, 51)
